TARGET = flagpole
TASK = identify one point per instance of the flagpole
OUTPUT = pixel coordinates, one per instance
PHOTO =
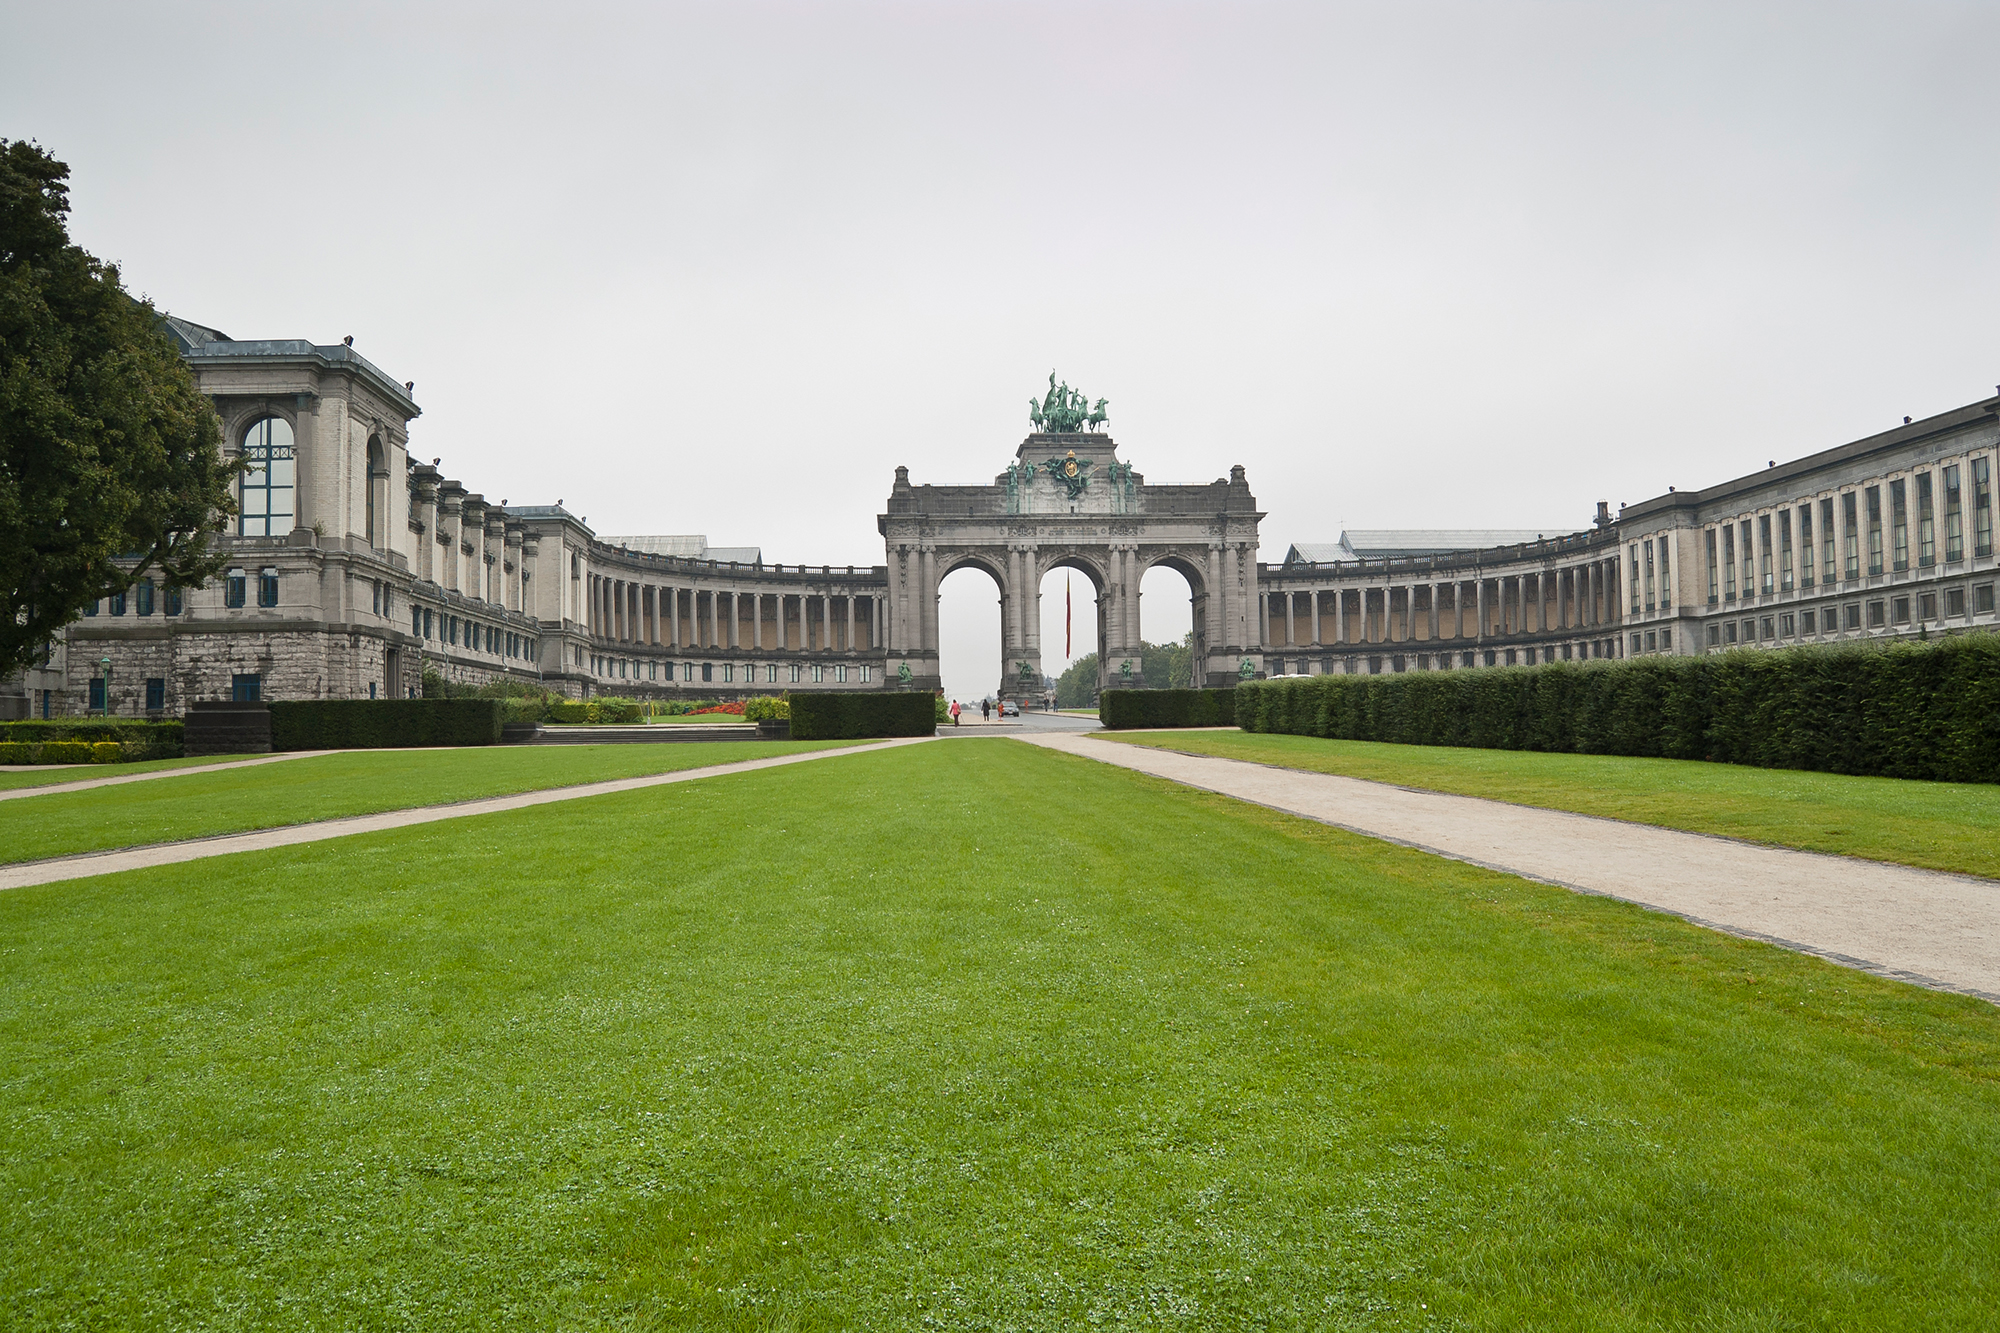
(1066, 648)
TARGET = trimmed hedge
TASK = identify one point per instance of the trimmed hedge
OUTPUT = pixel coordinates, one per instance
(101, 741)
(136, 738)
(1121, 710)
(1912, 710)
(376, 724)
(596, 710)
(841, 717)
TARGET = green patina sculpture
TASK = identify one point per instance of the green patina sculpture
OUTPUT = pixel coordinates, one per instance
(903, 673)
(1070, 472)
(1065, 411)
(1247, 670)
(1027, 672)
(1125, 668)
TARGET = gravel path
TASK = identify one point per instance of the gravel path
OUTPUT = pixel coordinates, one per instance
(170, 853)
(14, 793)
(1920, 926)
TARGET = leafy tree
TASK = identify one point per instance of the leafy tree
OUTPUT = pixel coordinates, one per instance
(1077, 687)
(110, 458)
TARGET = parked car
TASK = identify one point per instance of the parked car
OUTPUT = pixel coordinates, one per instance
(1010, 708)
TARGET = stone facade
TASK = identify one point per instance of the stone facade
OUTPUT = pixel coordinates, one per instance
(372, 569)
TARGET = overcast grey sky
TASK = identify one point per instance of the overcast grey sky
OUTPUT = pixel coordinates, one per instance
(720, 268)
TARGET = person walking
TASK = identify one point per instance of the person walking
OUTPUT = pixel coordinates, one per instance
(985, 710)
(954, 712)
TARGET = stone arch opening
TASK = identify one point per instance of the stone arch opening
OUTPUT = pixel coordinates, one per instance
(1073, 610)
(971, 619)
(378, 493)
(1171, 608)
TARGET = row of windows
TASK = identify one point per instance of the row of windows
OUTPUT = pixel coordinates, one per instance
(464, 632)
(1924, 515)
(627, 668)
(1374, 666)
(143, 599)
(1880, 613)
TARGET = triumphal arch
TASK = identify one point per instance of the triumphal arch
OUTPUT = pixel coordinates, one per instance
(1068, 501)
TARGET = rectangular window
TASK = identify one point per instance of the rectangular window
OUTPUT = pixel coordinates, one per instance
(117, 600)
(1954, 601)
(840, 674)
(819, 674)
(1729, 562)
(708, 671)
(1982, 506)
(156, 693)
(1784, 550)
(173, 600)
(1714, 637)
(1805, 546)
(1826, 539)
(375, 604)
(795, 673)
(1787, 627)
(430, 624)
(267, 587)
(1927, 606)
(729, 671)
(1926, 523)
(1982, 598)
(1874, 529)
(234, 585)
(1808, 622)
(1649, 577)
(142, 597)
(1851, 546)
(1764, 553)
(1652, 642)
(1633, 560)
(1877, 615)
(1746, 551)
(770, 673)
(1850, 615)
(416, 622)
(1765, 629)
(96, 694)
(1954, 516)
(1899, 523)
(1636, 641)
(1714, 576)
(1666, 577)
(1899, 611)
(247, 689)
(868, 673)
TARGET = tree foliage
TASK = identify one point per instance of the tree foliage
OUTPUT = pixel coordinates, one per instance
(110, 458)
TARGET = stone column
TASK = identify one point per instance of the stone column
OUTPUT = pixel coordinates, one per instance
(1340, 616)
(850, 620)
(826, 622)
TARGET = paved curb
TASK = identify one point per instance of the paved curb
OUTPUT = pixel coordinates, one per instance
(23, 874)
(1921, 926)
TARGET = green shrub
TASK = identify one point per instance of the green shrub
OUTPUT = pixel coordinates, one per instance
(573, 710)
(106, 752)
(65, 752)
(610, 708)
(373, 724)
(942, 710)
(17, 752)
(140, 739)
(1912, 710)
(830, 717)
(1124, 709)
(766, 710)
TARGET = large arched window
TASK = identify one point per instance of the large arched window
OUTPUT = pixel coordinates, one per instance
(378, 486)
(267, 486)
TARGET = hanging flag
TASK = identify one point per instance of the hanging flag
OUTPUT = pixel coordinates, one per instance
(1066, 652)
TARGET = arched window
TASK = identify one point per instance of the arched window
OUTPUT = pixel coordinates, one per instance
(267, 486)
(378, 490)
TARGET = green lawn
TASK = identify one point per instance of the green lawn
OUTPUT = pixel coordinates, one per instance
(955, 1036)
(43, 776)
(1936, 825)
(353, 782)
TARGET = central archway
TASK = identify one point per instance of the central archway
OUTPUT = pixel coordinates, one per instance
(971, 635)
(1068, 501)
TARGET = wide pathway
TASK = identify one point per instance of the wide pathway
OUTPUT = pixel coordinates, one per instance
(1921, 926)
(119, 780)
(170, 853)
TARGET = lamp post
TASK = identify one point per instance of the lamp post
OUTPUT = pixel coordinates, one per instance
(105, 662)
